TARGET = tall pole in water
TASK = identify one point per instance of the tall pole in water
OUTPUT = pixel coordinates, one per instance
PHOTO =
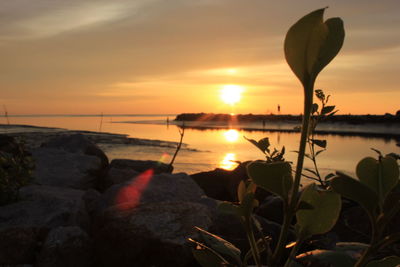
(101, 121)
(6, 114)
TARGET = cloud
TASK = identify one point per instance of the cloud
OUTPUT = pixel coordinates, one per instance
(76, 47)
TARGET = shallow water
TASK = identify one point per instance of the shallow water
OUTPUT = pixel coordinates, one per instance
(212, 148)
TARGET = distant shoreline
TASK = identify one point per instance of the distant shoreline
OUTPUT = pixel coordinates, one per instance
(374, 126)
(349, 119)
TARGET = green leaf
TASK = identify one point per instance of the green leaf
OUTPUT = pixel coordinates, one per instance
(262, 144)
(220, 245)
(379, 175)
(275, 177)
(391, 261)
(311, 44)
(352, 189)
(326, 208)
(320, 143)
(327, 109)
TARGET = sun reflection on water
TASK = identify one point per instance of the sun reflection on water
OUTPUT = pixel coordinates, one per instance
(228, 162)
(231, 135)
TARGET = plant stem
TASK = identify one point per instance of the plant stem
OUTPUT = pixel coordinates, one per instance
(290, 211)
(252, 242)
(374, 240)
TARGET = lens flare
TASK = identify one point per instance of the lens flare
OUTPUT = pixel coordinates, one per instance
(129, 196)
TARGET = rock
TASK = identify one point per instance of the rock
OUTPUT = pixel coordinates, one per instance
(45, 207)
(20, 245)
(221, 184)
(117, 175)
(140, 165)
(57, 167)
(66, 246)
(148, 188)
(77, 143)
(149, 215)
(153, 234)
(24, 224)
(69, 161)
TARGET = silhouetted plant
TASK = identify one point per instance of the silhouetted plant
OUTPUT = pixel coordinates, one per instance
(263, 145)
(317, 146)
(310, 45)
(178, 147)
(16, 167)
(377, 178)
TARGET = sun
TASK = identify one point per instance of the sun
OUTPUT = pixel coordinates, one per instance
(231, 93)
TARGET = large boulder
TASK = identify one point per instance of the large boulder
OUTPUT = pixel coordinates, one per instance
(77, 143)
(45, 207)
(123, 170)
(24, 224)
(153, 234)
(221, 184)
(149, 188)
(65, 247)
(149, 215)
(20, 245)
(56, 167)
(69, 161)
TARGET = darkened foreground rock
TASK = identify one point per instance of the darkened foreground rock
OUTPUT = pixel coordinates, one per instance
(122, 170)
(153, 234)
(69, 161)
(25, 224)
(65, 247)
(147, 216)
(221, 184)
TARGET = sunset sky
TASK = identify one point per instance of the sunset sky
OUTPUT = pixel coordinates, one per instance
(153, 56)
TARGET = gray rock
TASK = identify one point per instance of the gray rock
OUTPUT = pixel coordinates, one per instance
(147, 188)
(45, 207)
(20, 245)
(153, 234)
(77, 143)
(65, 247)
(118, 175)
(24, 224)
(150, 215)
(57, 167)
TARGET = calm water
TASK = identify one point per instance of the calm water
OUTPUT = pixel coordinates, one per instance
(211, 148)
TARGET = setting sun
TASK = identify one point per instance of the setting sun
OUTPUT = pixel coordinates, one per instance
(231, 93)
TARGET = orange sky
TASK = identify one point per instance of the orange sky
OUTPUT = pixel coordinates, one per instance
(153, 56)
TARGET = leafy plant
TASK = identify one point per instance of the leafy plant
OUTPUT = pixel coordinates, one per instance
(317, 146)
(310, 45)
(263, 145)
(16, 166)
(376, 179)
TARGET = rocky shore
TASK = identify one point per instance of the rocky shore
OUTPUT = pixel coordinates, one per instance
(82, 210)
